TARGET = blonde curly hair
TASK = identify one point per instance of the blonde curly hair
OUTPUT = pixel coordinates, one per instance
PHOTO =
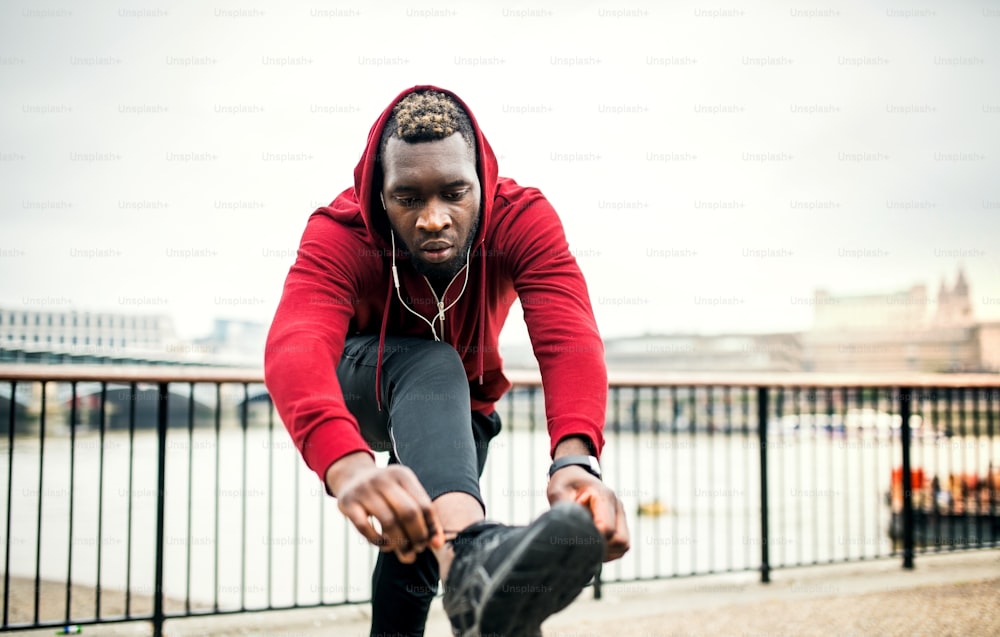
(424, 116)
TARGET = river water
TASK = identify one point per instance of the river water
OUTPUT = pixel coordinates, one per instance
(260, 531)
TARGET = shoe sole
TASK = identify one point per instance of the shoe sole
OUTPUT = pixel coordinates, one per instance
(567, 551)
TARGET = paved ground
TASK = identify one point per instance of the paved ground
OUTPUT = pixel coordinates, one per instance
(949, 594)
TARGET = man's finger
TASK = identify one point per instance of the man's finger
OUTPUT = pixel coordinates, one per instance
(619, 542)
(602, 509)
(408, 532)
(359, 517)
(431, 524)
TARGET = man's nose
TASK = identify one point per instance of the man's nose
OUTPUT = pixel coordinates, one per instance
(434, 217)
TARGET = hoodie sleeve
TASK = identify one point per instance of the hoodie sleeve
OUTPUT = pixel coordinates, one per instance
(560, 321)
(305, 342)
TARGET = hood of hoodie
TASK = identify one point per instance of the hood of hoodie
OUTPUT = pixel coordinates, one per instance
(368, 178)
(368, 174)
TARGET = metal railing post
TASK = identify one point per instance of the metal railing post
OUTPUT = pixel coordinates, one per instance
(810, 414)
(161, 496)
(11, 424)
(905, 409)
(765, 562)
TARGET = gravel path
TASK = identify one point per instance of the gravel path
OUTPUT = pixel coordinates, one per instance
(83, 602)
(961, 610)
(946, 595)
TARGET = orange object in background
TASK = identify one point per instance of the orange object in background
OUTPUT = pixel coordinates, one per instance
(917, 477)
(918, 482)
(956, 493)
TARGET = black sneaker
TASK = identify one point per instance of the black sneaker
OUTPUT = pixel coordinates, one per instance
(505, 581)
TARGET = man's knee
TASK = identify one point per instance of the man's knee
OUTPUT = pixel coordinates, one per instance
(431, 360)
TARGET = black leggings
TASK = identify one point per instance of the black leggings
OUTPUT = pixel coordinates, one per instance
(424, 424)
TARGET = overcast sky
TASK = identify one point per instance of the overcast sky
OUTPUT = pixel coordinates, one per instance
(713, 165)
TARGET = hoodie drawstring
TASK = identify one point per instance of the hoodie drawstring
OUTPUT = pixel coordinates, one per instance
(482, 313)
(440, 301)
(381, 349)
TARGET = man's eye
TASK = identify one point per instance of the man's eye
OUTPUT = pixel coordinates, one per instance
(408, 202)
(455, 196)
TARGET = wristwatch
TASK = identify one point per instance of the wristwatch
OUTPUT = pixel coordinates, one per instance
(589, 463)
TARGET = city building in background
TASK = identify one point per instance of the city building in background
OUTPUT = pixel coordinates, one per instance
(697, 352)
(989, 345)
(68, 336)
(902, 331)
(239, 343)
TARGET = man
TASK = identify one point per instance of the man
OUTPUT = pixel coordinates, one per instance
(386, 339)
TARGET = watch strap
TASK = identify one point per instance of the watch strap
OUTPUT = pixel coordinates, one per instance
(589, 463)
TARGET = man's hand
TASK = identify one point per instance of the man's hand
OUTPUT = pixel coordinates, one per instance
(393, 496)
(578, 485)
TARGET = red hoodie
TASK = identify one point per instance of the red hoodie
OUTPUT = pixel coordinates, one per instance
(341, 284)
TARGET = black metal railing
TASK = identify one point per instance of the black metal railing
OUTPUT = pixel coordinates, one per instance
(156, 494)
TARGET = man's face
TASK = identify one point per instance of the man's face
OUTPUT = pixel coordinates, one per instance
(432, 195)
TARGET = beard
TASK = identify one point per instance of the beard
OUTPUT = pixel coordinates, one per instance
(442, 273)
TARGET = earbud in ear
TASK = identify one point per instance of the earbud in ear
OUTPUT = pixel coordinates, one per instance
(382, 199)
